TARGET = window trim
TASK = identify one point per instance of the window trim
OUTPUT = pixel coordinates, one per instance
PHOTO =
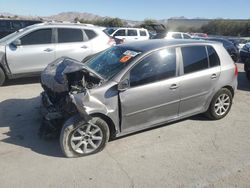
(209, 66)
(84, 36)
(136, 30)
(182, 73)
(126, 33)
(126, 75)
(25, 34)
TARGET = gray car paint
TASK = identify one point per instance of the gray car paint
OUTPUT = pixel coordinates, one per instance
(147, 106)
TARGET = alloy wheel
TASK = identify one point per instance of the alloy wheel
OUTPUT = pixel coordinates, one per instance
(86, 138)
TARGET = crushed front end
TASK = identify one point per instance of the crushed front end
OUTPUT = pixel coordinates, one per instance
(62, 81)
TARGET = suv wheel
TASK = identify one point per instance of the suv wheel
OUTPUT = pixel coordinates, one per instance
(80, 138)
(2, 77)
(220, 105)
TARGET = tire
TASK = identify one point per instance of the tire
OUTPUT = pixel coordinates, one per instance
(213, 111)
(248, 75)
(2, 77)
(77, 141)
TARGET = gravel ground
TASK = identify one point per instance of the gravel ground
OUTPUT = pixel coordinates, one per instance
(194, 152)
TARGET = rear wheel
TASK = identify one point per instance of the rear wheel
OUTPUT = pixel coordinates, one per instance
(2, 77)
(220, 104)
(80, 138)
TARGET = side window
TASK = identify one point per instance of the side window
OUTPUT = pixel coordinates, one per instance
(214, 59)
(194, 58)
(69, 35)
(158, 66)
(132, 32)
(42, 36)
(90, 34)
(185, 36)
(177, 36)
(120, 32)
(143, 33)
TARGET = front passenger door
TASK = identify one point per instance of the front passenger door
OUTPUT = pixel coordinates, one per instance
(153, 96)
(34, 53)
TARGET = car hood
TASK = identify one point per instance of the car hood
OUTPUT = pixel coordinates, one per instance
(55, 75)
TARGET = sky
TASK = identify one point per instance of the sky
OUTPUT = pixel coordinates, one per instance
(133, 9)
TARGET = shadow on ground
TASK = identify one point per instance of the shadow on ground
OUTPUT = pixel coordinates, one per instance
(22, 120)
(22, 81)
(243, 82)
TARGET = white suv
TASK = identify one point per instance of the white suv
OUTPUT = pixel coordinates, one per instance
(177, 35)
(130, 34)
(29, 50)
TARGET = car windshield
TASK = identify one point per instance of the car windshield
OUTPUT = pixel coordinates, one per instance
(8, 37)
(109, 31)
(110, 62)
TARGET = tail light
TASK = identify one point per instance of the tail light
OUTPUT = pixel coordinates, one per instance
(236, 70)
(111, 42)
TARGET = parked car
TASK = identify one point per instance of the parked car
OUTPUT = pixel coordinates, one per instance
(8, 26)
(156, 30)
(134, 86)
(245, 58)
(202, 35)
(230, 47)
(28, 51)
(173, 35)
(129, 34)
(236, 42)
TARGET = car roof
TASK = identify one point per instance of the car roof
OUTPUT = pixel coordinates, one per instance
(149, 45)
(70, 25)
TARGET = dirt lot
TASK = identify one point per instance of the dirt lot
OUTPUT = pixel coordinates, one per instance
(194, 152)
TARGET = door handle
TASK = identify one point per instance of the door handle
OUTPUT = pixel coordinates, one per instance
(48, 50)
(84, 47)
(213, 76)
(173, 86)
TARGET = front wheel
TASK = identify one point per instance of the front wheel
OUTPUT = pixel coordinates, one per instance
(79, 138)
(220, 104)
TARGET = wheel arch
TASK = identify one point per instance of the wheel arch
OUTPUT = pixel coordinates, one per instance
(109, 121)
(230, 88)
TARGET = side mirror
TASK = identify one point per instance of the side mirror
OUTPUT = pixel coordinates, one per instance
(16, 42)
(123, 85)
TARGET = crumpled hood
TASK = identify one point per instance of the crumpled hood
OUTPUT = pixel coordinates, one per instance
(54, 75)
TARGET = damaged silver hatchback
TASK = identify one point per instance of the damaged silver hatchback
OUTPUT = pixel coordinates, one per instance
(132, 87)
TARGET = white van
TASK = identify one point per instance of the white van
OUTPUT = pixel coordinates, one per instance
(130, 34)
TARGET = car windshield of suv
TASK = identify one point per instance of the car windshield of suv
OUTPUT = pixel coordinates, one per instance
(112, 61)
(10, 36)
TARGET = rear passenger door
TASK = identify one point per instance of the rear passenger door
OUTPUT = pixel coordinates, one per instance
(72, 43)
(132, 35)
(143, 35)
(198, 78)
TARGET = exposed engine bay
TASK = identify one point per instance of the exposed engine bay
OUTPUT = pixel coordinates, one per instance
(62, 80)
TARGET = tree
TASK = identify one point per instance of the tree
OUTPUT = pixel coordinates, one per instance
(147, 22)
(76, 20)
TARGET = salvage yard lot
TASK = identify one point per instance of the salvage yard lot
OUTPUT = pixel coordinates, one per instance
(195, 152)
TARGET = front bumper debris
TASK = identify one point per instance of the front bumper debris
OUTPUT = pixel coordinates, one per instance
(52, 119)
